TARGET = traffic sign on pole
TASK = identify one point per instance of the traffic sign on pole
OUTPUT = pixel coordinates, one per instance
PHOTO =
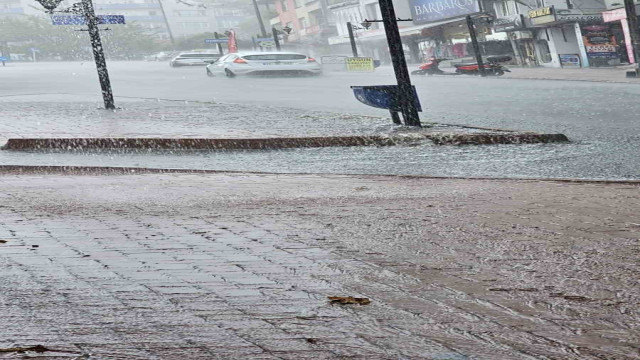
(111, 19)
(81, 20)
(215, 41)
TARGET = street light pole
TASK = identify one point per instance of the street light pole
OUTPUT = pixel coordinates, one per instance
(352, 40)
(632, 20)
(98, 54)
(257, 10)
(476, 46)
(275, 38)
(166, 22)
(217, 36)
(405, 90)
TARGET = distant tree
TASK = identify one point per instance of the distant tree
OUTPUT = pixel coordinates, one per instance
(196, 42)
(69, 42)
(129, 41)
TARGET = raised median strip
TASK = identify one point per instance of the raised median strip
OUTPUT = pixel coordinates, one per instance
(77, 144)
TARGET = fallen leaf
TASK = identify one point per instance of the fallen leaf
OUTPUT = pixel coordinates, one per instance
(349, 300)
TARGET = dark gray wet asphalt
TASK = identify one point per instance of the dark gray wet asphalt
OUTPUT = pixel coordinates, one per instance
(599, 118)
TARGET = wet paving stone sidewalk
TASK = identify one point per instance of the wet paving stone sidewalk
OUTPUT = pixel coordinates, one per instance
(239, 266)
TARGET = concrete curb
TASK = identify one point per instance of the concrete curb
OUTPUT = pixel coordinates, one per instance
(118, 171)
(80, 144)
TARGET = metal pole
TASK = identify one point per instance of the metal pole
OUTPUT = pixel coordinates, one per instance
(275, 38)
(405, 90)
(257, 10)
(354, 48)
(166, 22)
(632, 20)
(4, 52)
(98, 54)
(476, 46)
(217, 36)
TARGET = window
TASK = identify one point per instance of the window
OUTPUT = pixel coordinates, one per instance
(504, 8)
(284, 5)
(194, 25)
(219, 12)
(304, 22)
(187, 13)
(299, 3)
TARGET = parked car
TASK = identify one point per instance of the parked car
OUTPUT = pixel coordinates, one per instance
(194, 59)
(264, 63)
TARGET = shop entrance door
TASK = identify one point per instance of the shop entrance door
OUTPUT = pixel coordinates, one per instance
(527, 53)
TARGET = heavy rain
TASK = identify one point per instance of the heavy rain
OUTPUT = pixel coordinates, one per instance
(319, 179)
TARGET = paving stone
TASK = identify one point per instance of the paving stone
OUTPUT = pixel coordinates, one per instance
(188, 266)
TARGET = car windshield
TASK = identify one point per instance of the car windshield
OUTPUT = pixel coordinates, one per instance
(275, 57)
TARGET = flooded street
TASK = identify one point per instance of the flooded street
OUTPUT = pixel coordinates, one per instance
(595, 117)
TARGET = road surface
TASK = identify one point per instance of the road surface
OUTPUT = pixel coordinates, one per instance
(599, 118)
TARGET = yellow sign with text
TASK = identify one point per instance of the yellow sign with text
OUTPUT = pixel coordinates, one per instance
(361, 64)
(540, 12)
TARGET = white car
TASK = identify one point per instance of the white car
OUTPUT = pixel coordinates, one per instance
(194, 59)
(264, 63)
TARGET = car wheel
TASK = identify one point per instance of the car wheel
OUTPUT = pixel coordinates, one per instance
(209, 73)
(499, 72)
(229, 73)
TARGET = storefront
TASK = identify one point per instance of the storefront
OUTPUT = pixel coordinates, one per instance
(522, 40)
(620, 28)
(566, 38)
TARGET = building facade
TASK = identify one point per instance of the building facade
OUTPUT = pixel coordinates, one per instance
(310, 22)
(428, 28)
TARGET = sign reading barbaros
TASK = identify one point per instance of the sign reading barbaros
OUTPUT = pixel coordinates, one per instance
(426, 11)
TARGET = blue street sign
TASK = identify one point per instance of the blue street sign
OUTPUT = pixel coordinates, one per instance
(2, 58)
(68, 20)
(110, 19)
(264, 39)
(80, 20)
(383, 96)
(215, 41)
